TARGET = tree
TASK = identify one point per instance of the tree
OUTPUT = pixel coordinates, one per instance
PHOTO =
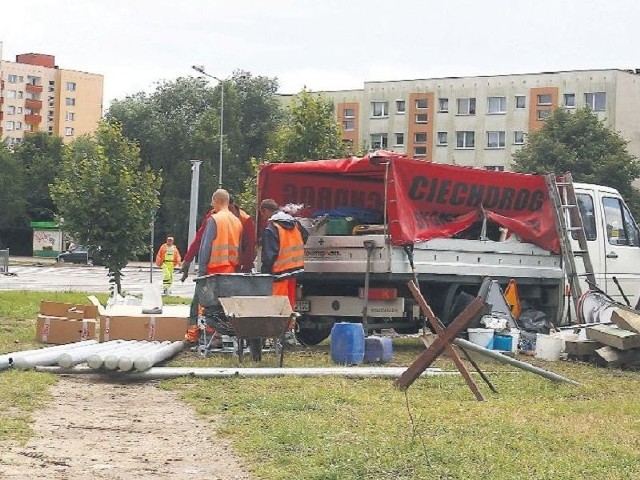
(584, 145)
(41, 156)
(105, 197)
(309, 131)
(180, 121)
(12, 202)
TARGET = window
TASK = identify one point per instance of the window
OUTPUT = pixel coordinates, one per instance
(465, 139)
(349, 113)
(378, 140)
(495, 168)
(518, 137)
(442, 138)
(420, 137)
(18, 125)
(570, 100)
(71, 86)
(422, 117)
(9, 125)
(466, 106)
(70, 102)
(521, 101)
(399, 139)
(420, 151)
(68, 131)
(495, 139)
(621, 229)
(19, 110)
(19, 94)
(379, 109)
(12, 78)
(401, 106)
(543, 114)
(496, 105)
(11, 94)
(585, 204)
(544, 99)
(443, 105)
(596, 101)
(422, 103)
(347, 125)
(71, 116)
(11, 110)
(52, 103)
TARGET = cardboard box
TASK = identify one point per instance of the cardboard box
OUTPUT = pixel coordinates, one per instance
(142, 327)
(68, 310)
(61, 330)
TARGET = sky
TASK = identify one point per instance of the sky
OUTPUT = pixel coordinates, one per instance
(321, 45)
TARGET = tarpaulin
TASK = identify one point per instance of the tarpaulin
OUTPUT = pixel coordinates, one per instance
(424, 200)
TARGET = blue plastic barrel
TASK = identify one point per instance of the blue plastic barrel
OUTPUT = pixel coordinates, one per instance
(378, 349)
(347, 343)
(502, 342)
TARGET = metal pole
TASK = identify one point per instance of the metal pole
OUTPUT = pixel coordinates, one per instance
(193, 202)
(152, 227)
(221, 129)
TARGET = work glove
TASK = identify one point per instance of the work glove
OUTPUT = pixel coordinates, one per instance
(185, 270)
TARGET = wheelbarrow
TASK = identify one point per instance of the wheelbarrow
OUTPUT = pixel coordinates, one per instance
(255, 318)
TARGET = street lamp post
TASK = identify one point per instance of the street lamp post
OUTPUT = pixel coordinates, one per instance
(193, 202)
(200, 69)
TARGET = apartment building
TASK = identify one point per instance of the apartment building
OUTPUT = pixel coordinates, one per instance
(481, 121)
(36, 95)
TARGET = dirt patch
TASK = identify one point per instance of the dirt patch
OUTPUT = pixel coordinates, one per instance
(97, 429)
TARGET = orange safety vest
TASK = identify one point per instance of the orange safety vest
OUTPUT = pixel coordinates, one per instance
(291, 251)
(225, 247)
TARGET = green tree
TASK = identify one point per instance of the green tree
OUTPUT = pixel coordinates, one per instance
(309, 131)
(584, 145)
(106, 197)
(12, 191)
(41, 156)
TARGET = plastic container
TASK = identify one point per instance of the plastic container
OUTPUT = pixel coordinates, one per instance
(502, 343)
(481, 336)
(548, 347)
(341, 226)
(347, 343)
(514, 333)
(378, 349)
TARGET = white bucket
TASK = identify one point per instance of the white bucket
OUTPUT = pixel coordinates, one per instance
(481, 336)
(548, 347)
(514, 333)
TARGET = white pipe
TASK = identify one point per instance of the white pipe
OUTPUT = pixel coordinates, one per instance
(148, 360)
(45, 356)
(125, 362)
(111, 360)
(96, 359)
(6, 359)
(80, 355)
(164, 373)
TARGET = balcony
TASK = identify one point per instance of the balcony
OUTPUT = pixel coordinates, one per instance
(33, 119)
(33, 104)
(30, 88)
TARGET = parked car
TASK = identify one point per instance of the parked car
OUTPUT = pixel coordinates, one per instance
(81, 255)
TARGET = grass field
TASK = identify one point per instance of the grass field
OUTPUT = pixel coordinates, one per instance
(335, 428)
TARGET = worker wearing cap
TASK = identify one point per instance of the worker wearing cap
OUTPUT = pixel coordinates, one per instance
(167, 258)
(282, 255)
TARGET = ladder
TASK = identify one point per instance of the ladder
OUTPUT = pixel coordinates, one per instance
(563, 198)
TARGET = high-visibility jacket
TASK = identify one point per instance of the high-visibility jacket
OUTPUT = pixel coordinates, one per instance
(168, 255)
(290, 259)
(225, 248)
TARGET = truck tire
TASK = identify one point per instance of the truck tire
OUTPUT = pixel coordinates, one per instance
(312, 336)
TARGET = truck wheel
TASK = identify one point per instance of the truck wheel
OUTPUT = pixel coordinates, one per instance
(407, 330)
(312, 336)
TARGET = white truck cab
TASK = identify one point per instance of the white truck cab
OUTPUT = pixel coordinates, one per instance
(613, 240)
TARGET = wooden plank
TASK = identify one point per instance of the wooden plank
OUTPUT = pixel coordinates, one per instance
(626, 319)
(614, 336)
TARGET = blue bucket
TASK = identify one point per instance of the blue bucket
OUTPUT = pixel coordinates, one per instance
(502, 342)
(347, 343)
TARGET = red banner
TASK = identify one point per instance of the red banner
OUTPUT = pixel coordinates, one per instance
(424, 200)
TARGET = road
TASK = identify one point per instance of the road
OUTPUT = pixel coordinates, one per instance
(87, 279)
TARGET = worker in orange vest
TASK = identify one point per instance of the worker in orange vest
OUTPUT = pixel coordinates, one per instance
(282, 255)
(167, 258)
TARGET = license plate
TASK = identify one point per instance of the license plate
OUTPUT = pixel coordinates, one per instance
(302, 306)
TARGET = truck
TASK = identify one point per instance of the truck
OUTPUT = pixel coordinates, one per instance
(379, 221)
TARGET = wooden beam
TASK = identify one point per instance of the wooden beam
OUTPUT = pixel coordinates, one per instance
(614, 336)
